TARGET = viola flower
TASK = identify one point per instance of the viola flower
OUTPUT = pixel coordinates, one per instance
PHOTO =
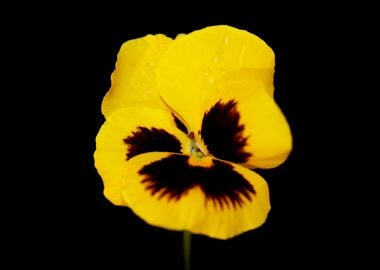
(186, 122)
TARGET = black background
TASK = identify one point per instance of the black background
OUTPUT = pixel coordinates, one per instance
(70, 56)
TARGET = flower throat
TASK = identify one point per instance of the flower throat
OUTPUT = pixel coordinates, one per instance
(195, 149)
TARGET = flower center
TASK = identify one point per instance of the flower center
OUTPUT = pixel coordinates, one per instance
(196, 149)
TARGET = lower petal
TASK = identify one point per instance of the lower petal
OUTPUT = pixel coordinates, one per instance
(204, 196)
(128, 132)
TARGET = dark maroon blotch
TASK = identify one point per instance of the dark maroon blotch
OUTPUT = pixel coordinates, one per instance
(173, 177)
(145, 140)
(223, 133)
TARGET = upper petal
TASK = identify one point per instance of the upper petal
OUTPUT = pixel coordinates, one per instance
(133, 81)
(192, 63)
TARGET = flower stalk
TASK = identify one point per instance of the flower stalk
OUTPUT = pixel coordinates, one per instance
(186, 249)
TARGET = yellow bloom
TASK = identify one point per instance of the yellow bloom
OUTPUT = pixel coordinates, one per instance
(186, 121)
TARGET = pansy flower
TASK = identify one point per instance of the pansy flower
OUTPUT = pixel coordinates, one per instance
(186, 122)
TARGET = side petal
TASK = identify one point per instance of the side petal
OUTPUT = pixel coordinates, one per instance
(192, 64)
(204, 196)
(243, 124)
(133, 81)
(130, 132)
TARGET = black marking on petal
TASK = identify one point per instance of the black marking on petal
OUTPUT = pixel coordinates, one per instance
(224, 183)
(145, 140)
(223, 134)
(180, 125)
(173, 177)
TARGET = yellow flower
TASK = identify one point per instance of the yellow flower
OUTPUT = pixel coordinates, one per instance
(186, 121)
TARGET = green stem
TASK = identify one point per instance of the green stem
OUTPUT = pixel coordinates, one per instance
(186, 249)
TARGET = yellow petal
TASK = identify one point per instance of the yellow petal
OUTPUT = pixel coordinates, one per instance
(204, 197)
(113, 147)
(133, 81)
(243, 124)
(192, 63)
